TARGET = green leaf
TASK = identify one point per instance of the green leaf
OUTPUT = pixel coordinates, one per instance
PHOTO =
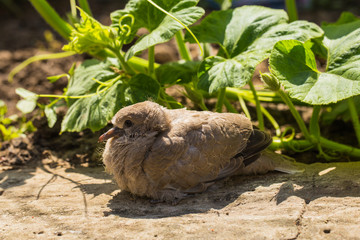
(93, 112)
(345, 17)
(246, 35)
(177, 72)
(161, 26)
(26, 94)
(339, 110)
(342, 77)
(293, 63)
(92, 37)
(82, 80)
(27, 104)
(53, 79)
(217, 72)
(3, 109)
(96, 111)
(142, 88)
(50, 115)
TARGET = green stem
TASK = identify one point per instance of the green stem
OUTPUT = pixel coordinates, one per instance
(264, 96)
(73, 8)
(84, 5)
(354, 118)
(183, 50)
(258, 107)
(207, 50)
(291, 10)
(269, 117)
(52, 18)
(107, 86)
(151, 59)
(28, 61)
(220, 100)
(342, 148)
(296, 114)
(244, 107)
(314, 122)
(140, 64)
(229, 107)
(123, 63)
(297, 145)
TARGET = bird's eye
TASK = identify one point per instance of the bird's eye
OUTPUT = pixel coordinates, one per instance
(128, 123)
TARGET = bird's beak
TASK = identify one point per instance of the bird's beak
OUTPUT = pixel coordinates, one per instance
(113, 132)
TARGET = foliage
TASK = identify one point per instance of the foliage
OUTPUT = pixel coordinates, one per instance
(246, 36)
(13, 126)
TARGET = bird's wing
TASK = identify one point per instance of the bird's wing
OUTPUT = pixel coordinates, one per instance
(196, 148)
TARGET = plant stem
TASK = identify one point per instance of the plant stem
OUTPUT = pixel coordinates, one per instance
(354, 118)
(291, 10)
(151, 59)
(220, 100)
(296, 114)
(84, 5)
(123, 63)
(52, 18)
(258, 108)
(269, 117)
(30, 60)
(342, 148)
(207, 50)
(183, 50)
(140, 64)
(300, 145)
(314, 122)
(73, 8)
(229, 107)
(263, 96)
(244, 107)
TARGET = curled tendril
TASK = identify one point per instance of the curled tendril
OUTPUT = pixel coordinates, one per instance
(126, 28)
(291, 137)
(288, 140)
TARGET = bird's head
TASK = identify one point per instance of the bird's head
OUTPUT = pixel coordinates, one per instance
(137, 120)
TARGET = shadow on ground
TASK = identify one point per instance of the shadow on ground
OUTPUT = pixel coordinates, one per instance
(343, 181)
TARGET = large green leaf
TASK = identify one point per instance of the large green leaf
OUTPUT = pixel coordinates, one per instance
(161, 26)
(82, 81)
(93, 112)
(293, 63)
(177, 72)
(217, 72)
(142, 88)
(246, 35)
(343, 43)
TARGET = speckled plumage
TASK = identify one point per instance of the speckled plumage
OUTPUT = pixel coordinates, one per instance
(165, 154)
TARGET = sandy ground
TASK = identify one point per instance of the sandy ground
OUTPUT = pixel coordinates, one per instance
(43, 200)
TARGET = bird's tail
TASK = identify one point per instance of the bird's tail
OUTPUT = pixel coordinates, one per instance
(282, 163)
(270, 161)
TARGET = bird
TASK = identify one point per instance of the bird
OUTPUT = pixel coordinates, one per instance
(169, 154)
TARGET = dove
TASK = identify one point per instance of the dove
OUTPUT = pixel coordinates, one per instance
(168, 154)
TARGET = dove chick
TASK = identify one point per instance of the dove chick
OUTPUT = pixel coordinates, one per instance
(166, 154)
